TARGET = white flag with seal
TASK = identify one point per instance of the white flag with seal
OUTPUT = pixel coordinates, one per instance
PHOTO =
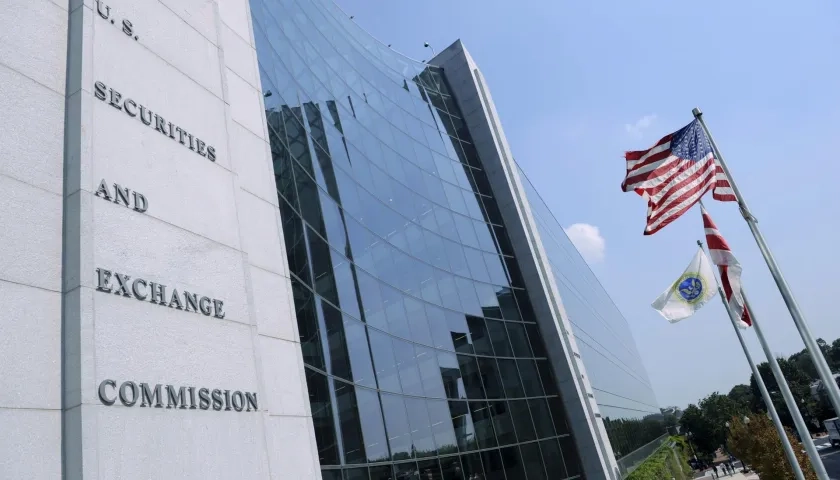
(696, 286)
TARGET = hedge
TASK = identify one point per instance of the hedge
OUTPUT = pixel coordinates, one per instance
(663, 465)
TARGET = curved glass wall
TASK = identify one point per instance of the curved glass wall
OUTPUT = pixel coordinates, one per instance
(618, 377)
(421, 352)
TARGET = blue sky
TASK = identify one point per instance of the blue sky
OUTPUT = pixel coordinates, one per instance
(578, 83)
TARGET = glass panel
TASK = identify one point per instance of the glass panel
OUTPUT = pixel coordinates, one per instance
(459, 332)
(423, 442)
(396, 423)
(322, 417)
(373, 430)
(483, 423)
(512, 462)
(429, 470)
(442, 429)
(407, 365)
(479, 335)
(348, 416)
(510, 379)
(471, 376)
(553, 459)
(493, 467)
(450, 374)
(530, 378)
(462, 425)
(430, 372)
(522, 420)
(535, 340)
(384, 361)
(452, 469)
(558, 415)
(331, 474)
(499, 338)
(519, 340)
(356, 474)
(473, 467)
(540, 414)
(359, 351)
(503, 423)
(570, 456)
(532, 459)
(490, 376)
(382, 472)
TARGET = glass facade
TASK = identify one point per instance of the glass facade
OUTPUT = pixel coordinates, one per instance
(422, 356)
(619, 380)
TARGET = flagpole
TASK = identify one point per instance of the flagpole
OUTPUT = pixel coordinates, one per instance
(777, 422)
(801, 427)
(798, 319)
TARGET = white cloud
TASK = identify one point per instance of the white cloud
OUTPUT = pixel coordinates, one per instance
(588, 240)
(636, 129)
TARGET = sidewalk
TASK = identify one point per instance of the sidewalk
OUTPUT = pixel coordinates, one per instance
(736, 476)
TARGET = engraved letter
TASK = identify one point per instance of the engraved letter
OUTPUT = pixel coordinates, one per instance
(99, 89)
(160, 124)
(133, 111)
(201, 146)
(143, 111)
(204, 305)
(140, 203)
(211, 154)
(115, 99)
(102, 191)
(190, 300)
(120, 194)
(148, 398)
(217, 399)
(103, 397)
(251, 400)
(122, 285)
(175, 301)
(192, 398)
(204, 399)
(128, 28)
(181, 134)
(99, 10)
(217, 306)
(103, 277)
(179, 400)
(123, 393)
(171, 131)
(227, 400)
(136, 291)
(237, 400)
(158, 293)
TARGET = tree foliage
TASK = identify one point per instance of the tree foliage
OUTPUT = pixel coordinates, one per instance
(758, 444)
(705, 424)
(670, 461)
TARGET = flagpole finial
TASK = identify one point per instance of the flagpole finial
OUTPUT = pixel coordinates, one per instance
(697, 113)
(699, 244)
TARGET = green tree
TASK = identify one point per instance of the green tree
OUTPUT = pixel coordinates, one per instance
(757, 443)
(706, 422)
(799, 382)
(743, 396)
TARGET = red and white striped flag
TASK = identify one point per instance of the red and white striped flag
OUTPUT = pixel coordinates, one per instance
(730, 269)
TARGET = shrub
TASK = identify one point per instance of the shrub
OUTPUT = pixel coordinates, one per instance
(668, 462)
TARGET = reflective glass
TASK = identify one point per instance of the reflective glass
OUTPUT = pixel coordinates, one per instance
(408, 298)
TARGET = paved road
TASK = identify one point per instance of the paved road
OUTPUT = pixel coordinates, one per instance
(830, 457)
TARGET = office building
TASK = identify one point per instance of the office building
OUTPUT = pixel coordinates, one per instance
(246, 240)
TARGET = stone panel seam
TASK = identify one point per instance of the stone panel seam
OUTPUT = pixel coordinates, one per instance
(12, 282)
(23, 182)
(8, 67)
(215, 44)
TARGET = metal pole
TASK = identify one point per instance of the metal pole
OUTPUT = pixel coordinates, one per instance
(777, 422)
(798, 319)
(801, 427)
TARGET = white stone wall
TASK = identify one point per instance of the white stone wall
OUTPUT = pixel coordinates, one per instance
(211, 227)
(33, 44)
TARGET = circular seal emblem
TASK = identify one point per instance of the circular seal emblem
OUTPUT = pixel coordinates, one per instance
(689, 288)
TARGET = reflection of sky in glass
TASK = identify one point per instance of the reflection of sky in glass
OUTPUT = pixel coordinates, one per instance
(620, 382)
(420, 349)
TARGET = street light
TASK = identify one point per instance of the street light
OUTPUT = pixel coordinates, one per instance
(426, 44)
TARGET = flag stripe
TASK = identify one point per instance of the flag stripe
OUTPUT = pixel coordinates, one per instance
(730, 269)
(674, 174)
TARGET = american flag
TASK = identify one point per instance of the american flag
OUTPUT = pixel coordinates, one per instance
(674, 174)
(730, 269)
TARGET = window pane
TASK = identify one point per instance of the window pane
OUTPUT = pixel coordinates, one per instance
(490, 376)
(522, 420)
(512, 462)
(479, 335)
(558, 415)
(452, 469)
(351, 429)
(384, 361)
(359, 351)
(518, 339)
(308, 329)
(373, 430)
(396, 422)
(499, 338)
(442, 430)
(416, 313)
(459, 331)
(333, 324)
(429, 470)
(547, 377)
(407, 365)
(470, 376)
(530, 378)
(532, 459)
(407, 471)
(570, 456)
(553, 459)
(510, 379)
(535, 340)
(473, 467)
(451, 375)
(462, 425)
(322, 417)
(422, 440)
(331, 475)
(382, 472)
(356, 474)
(493, 467)
(540, 414)
(430, 372)
(483, 423)
(503, 423)
(441, 337)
